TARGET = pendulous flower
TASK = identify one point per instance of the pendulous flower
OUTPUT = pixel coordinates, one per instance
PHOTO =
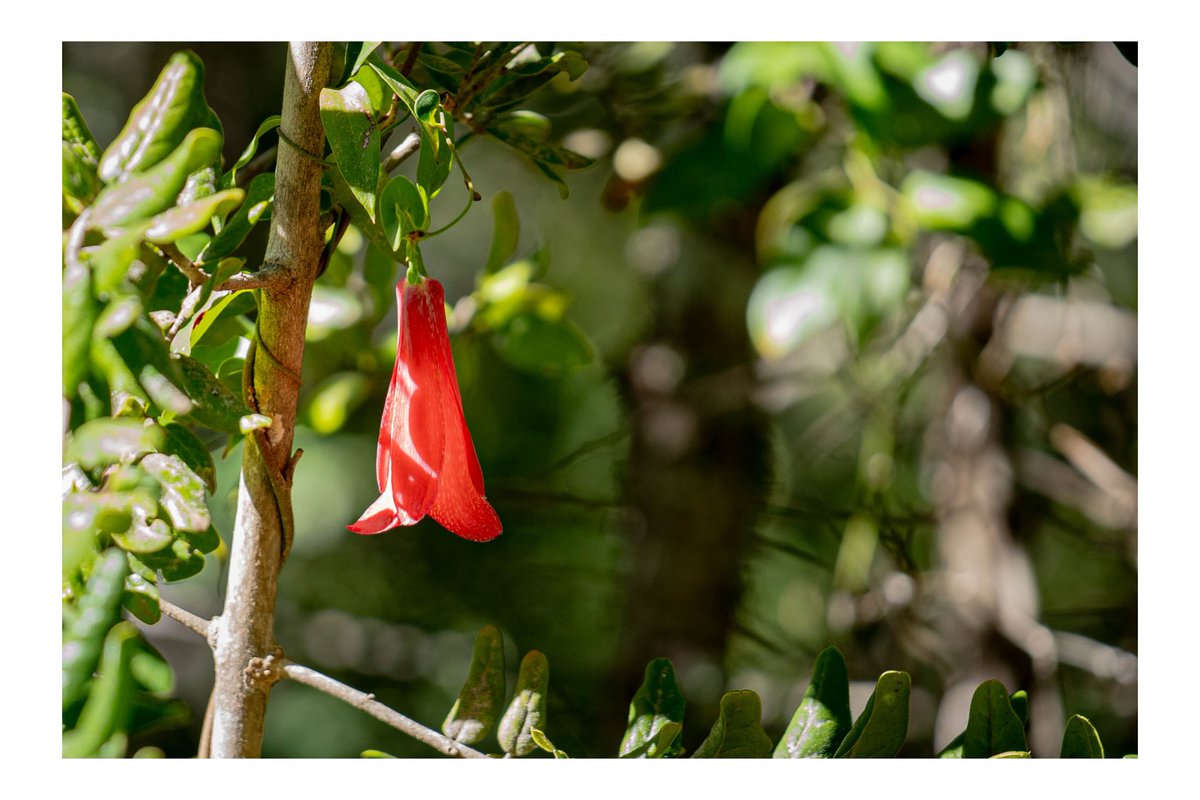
(426, 462)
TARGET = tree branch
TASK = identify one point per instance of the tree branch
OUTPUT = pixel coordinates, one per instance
(368, 703)
(185, 618)
(245, 636)
(321, 682)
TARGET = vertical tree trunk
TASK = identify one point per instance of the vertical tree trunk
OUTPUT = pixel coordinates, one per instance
(245, 640)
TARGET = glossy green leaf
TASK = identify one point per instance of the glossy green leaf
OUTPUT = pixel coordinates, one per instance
(107, 441)
(79, 312)
(1080, 739)
(75, 132)
(181, 221)
(536, 344)
(366, 223)
(146, 355)
(99, 608)
(399, 84)
(543, 741)
(1013, 754)
(207, 316)
(993, 726)
(205, 541)
(145, 536)
(215, 405)
(657, 703)
(353, 135)
(269, 124)
(374, 754)
(435, 159)
(822, 720)
(200, 184)
(182, 492)
(183, 443)
(145, 194)
(481, 698)
(540, 151)
(528, 707)
(140, 599)
(118, 316)
(79, 179)
(259, 198)
(150, 670)
(357, 54)
(506, 231)
(1019, 700)
(403, 209)
(738, 731)
(880, 730)
(178, 562)
(110, 703)
(111, 261)
(161, 120)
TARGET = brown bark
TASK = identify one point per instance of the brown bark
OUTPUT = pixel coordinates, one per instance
(244, 636)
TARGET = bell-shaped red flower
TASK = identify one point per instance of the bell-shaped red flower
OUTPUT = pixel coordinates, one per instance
(426, 462)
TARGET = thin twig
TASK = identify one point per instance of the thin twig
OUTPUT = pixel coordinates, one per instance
(368, 703)
(409, 145)
(185, 618)
(194, 274)
(266, 278)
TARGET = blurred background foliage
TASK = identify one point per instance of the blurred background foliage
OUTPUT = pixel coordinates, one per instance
(832, 344)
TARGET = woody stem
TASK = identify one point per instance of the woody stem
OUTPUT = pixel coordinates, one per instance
(245, 634)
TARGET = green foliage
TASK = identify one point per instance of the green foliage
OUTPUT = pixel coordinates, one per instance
(658, 706)
(880, 730)
(738, 731)
(993, 727)
(478, 705)
(822, 719)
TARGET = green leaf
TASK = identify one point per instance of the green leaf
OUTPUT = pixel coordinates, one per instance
(200, 184)
(738, 731)
(145, 536)
(506, 231)
(539, 151)
(943, 202)
(151, 671)
(993, 726)
(78, 176)
(434, 160)
(880, 730)
(269, 124)
(145, 354)
(1019, 701)
(352, 131)
(178, 562)
(206, 317)
(357, 54)
(367, 223)
(181, 221)
(374, 754)
(182, 492)
(260, 196)
(140, 598)
(215, 405)
(403, 208)
(161, 120)
(110, 440)
(1013, 754)
(145, 194)
(656, 704)
(1080, 739)
(397, 82)
(205, 541)
(183, 443)
(482, 695)
(536, 344)
(99, 608)
(79, 312)
(822, 720)
(110, 703)
(110, 262)
(528, 707)
(75, 132)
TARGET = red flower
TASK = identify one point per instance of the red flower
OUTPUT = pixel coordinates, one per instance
(426, 462)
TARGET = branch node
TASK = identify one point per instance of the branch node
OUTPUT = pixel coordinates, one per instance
(263, 672)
